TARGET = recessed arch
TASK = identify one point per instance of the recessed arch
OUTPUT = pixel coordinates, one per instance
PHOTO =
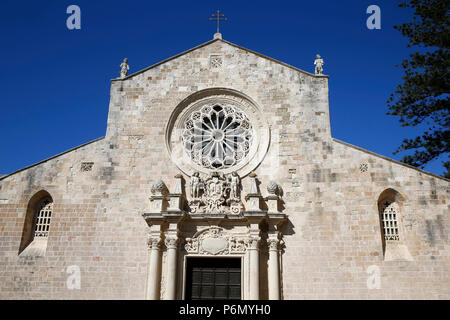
(38, 215)
(390, 206)
(391, 195)
(390, 203)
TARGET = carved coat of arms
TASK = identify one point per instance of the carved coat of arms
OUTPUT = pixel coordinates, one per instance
(217, 194)
(214, 241)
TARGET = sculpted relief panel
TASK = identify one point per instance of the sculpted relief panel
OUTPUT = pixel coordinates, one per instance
(216, 194)
(215, 241)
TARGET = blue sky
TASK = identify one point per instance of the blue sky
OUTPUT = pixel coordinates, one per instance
(54, 82)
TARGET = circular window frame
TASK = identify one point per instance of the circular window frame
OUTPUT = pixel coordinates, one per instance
(204, 134)
(221, 96)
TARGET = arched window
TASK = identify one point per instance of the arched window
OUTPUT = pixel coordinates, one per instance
(36, 225)
(390, 205)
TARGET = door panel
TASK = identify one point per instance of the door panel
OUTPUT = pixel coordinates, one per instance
(213, 279)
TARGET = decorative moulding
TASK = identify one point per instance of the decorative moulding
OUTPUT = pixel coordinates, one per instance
(215, 241)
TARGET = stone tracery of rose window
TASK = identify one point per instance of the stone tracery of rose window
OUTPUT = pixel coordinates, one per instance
(217, 136)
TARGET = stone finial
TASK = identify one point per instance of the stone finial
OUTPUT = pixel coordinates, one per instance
(159, 188)
(177, 198)
(273, 188)
(319, 65)
(124, 67)
(217, 35)
(178, 184)
(254, 197)
(253, 184)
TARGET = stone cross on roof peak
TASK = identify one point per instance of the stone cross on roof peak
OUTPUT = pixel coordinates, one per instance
(218, 17)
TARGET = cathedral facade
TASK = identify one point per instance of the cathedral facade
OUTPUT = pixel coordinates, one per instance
(218, 178)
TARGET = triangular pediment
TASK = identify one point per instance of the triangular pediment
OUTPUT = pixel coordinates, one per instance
(211, 42)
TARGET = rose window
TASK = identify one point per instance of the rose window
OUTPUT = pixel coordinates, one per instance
(217, 136)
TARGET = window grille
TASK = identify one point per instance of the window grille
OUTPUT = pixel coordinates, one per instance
(216, 62)
(43, 217)
(389, 220)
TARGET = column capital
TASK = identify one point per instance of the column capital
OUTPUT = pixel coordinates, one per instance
(172, 232)
(253, 243)
(154, 242)
(171, 242)
(273, 244)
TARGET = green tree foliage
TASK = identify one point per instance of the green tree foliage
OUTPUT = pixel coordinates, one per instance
(423, 97)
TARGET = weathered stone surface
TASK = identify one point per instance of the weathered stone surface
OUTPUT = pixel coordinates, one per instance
(333, 234)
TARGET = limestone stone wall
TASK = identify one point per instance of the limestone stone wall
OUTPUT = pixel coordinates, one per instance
(337, 235)
(333, 234)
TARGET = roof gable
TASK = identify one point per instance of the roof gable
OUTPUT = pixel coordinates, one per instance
(209, 43)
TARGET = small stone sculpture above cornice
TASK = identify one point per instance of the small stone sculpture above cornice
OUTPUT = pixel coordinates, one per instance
(124, 67)
(319, 65)
(273, 188)
(215, 194)
(159, 188)
(273, 200)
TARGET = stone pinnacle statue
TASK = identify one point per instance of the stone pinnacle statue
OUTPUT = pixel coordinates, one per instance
(195, 186)
(124, 68)
(235, 186)
(319, 65)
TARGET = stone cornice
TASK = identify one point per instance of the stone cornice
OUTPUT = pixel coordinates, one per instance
(51, 158)
(389, 159)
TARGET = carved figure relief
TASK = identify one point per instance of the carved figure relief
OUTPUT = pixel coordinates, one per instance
(216, 194)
